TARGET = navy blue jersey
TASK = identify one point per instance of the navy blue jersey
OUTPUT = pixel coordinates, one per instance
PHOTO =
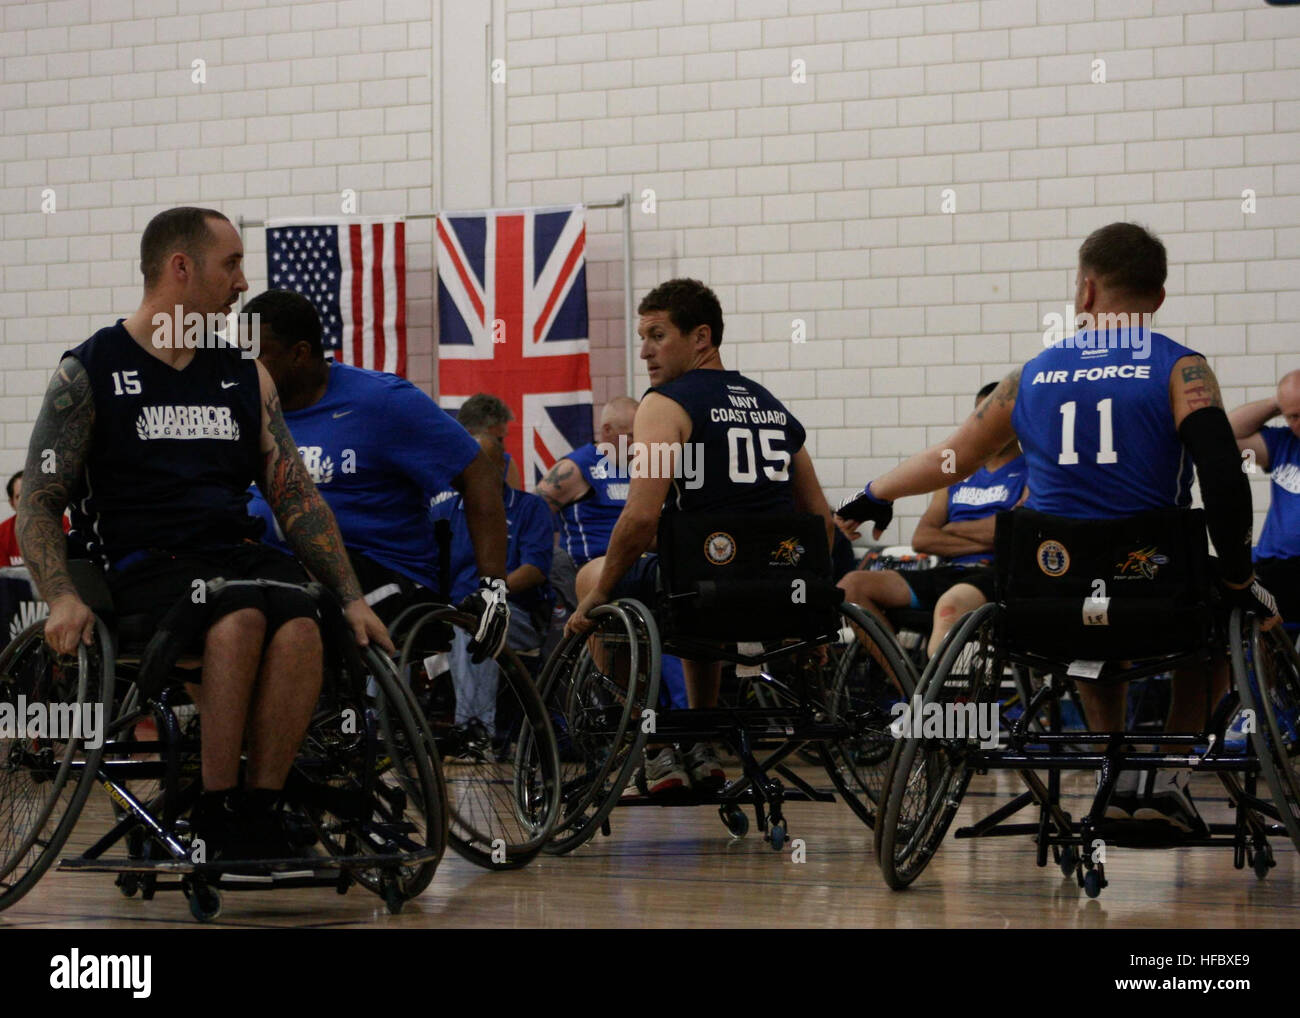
(173, 451)
(378, 448)
(585, 525)
(983, 494)
(1281, 536)
(1097, 427)
(742, 441)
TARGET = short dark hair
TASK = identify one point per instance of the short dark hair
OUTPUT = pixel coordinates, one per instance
(180, 229)
(482, 411)
(290, 316)
(9, 488)
(984, 392)
(689, 304)
(1126, 257)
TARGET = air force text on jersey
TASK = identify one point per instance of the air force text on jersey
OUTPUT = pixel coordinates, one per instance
(1093, 374)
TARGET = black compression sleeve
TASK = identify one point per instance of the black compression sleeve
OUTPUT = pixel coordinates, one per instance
(1225, 491)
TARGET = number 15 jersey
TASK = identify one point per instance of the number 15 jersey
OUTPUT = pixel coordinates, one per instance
(740, 448)
(1095, 422)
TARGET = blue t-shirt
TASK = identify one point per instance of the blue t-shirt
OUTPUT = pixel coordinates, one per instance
(1097, 428)
(378, 449)
(585, 525)
(983, 494)
(1281, 536)
(741, 443)
(530, 537)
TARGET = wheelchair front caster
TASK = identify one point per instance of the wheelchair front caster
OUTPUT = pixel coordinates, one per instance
(1263, 861)
(1068, 861)
(128, 884)
(735, 819)
(776, 835)
(393, 898)
(1093, 883)
(205, 902)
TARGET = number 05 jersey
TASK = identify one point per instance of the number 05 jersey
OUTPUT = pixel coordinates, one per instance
(1094, 420)
(739, 451)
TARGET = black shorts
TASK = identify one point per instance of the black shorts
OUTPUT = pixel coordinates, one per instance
(388, 592)
(153, 586)
(641, 582)
(928, 585)
(1281, 577)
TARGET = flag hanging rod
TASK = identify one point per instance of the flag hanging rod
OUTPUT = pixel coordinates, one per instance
(615, 203)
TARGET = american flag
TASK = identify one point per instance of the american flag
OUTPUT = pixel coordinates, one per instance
(354, 272)
(512, 322)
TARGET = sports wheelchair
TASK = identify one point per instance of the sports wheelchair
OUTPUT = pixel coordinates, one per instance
(1095, 601)
(502, 785)
(364, 796)
(754, 592)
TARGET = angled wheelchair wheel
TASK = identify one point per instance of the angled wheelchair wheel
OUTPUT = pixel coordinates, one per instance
(46, 776)
(367, 782)
(596, 688)
(865, 684)
(926, 777)
(502, 785)
(1272, 690)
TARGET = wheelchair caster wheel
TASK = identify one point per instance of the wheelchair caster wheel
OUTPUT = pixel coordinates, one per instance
(1263, 861)
(1068, 861)
(128, 884)
(735, 819)
(1092, 883)
(393, 898)
(776, 836)
(205, 902)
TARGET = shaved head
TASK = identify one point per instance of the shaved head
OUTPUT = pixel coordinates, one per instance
(618, 413)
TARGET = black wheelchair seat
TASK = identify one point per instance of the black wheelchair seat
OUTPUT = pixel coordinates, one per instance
(746, 578)
(1104, 590)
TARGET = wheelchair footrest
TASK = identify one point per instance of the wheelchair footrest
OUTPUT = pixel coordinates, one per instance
(693, 798)
(269, 866)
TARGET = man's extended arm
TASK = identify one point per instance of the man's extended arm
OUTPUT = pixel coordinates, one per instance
(934, 535)
(56, 457)
(485, 514)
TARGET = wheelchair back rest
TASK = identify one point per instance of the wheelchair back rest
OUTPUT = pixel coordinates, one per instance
(1104, 590)
(735, 578)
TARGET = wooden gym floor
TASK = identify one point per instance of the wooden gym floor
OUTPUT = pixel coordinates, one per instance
(674, 868)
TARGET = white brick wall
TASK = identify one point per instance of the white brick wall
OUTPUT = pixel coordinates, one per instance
(910, 310)
(817, 200)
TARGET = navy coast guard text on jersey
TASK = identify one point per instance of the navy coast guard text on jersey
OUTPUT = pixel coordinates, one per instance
(173, 450)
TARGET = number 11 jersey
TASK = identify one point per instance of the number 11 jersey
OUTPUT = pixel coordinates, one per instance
(1095, 422)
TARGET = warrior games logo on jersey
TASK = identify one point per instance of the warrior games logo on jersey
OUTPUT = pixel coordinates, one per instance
(187, 422)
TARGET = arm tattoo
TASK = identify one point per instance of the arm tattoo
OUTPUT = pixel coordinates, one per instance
(562, 471)
(1201, 387)
(55, 459)
(1003, 395)
(308, 524)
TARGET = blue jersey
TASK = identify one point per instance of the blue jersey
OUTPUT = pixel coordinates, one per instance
(1097, 428)
(585, 525)
(378, 449)
(1281, 536)
(983, 494)
(172, 452)
(740, 447)
(530, 541)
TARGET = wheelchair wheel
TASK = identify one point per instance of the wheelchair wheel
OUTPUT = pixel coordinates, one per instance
(502, 786)
(926, 778)
(865, 684)
(1271, 688)
(44, 781)
(367, 781)
(596, 688)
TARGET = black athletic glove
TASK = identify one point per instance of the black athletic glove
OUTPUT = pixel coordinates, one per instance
(867, 508)
(491, 611)
(1253, 600)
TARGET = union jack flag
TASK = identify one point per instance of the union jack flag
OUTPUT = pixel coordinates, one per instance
(512, 322)
(354, 272)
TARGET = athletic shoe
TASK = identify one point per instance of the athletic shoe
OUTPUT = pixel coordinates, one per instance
(1127, 794)
(1170, 802)
(632, 788)
(705, 768)
(664, 773)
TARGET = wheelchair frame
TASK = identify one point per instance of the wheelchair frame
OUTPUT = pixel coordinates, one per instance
(374, 847)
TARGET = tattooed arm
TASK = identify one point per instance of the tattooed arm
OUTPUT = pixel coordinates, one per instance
(563, 485)
(55, 459)
(982, 434)
(308, 524)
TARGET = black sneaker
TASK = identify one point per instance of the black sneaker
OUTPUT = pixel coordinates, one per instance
(1170, 801)
(1127, 795)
